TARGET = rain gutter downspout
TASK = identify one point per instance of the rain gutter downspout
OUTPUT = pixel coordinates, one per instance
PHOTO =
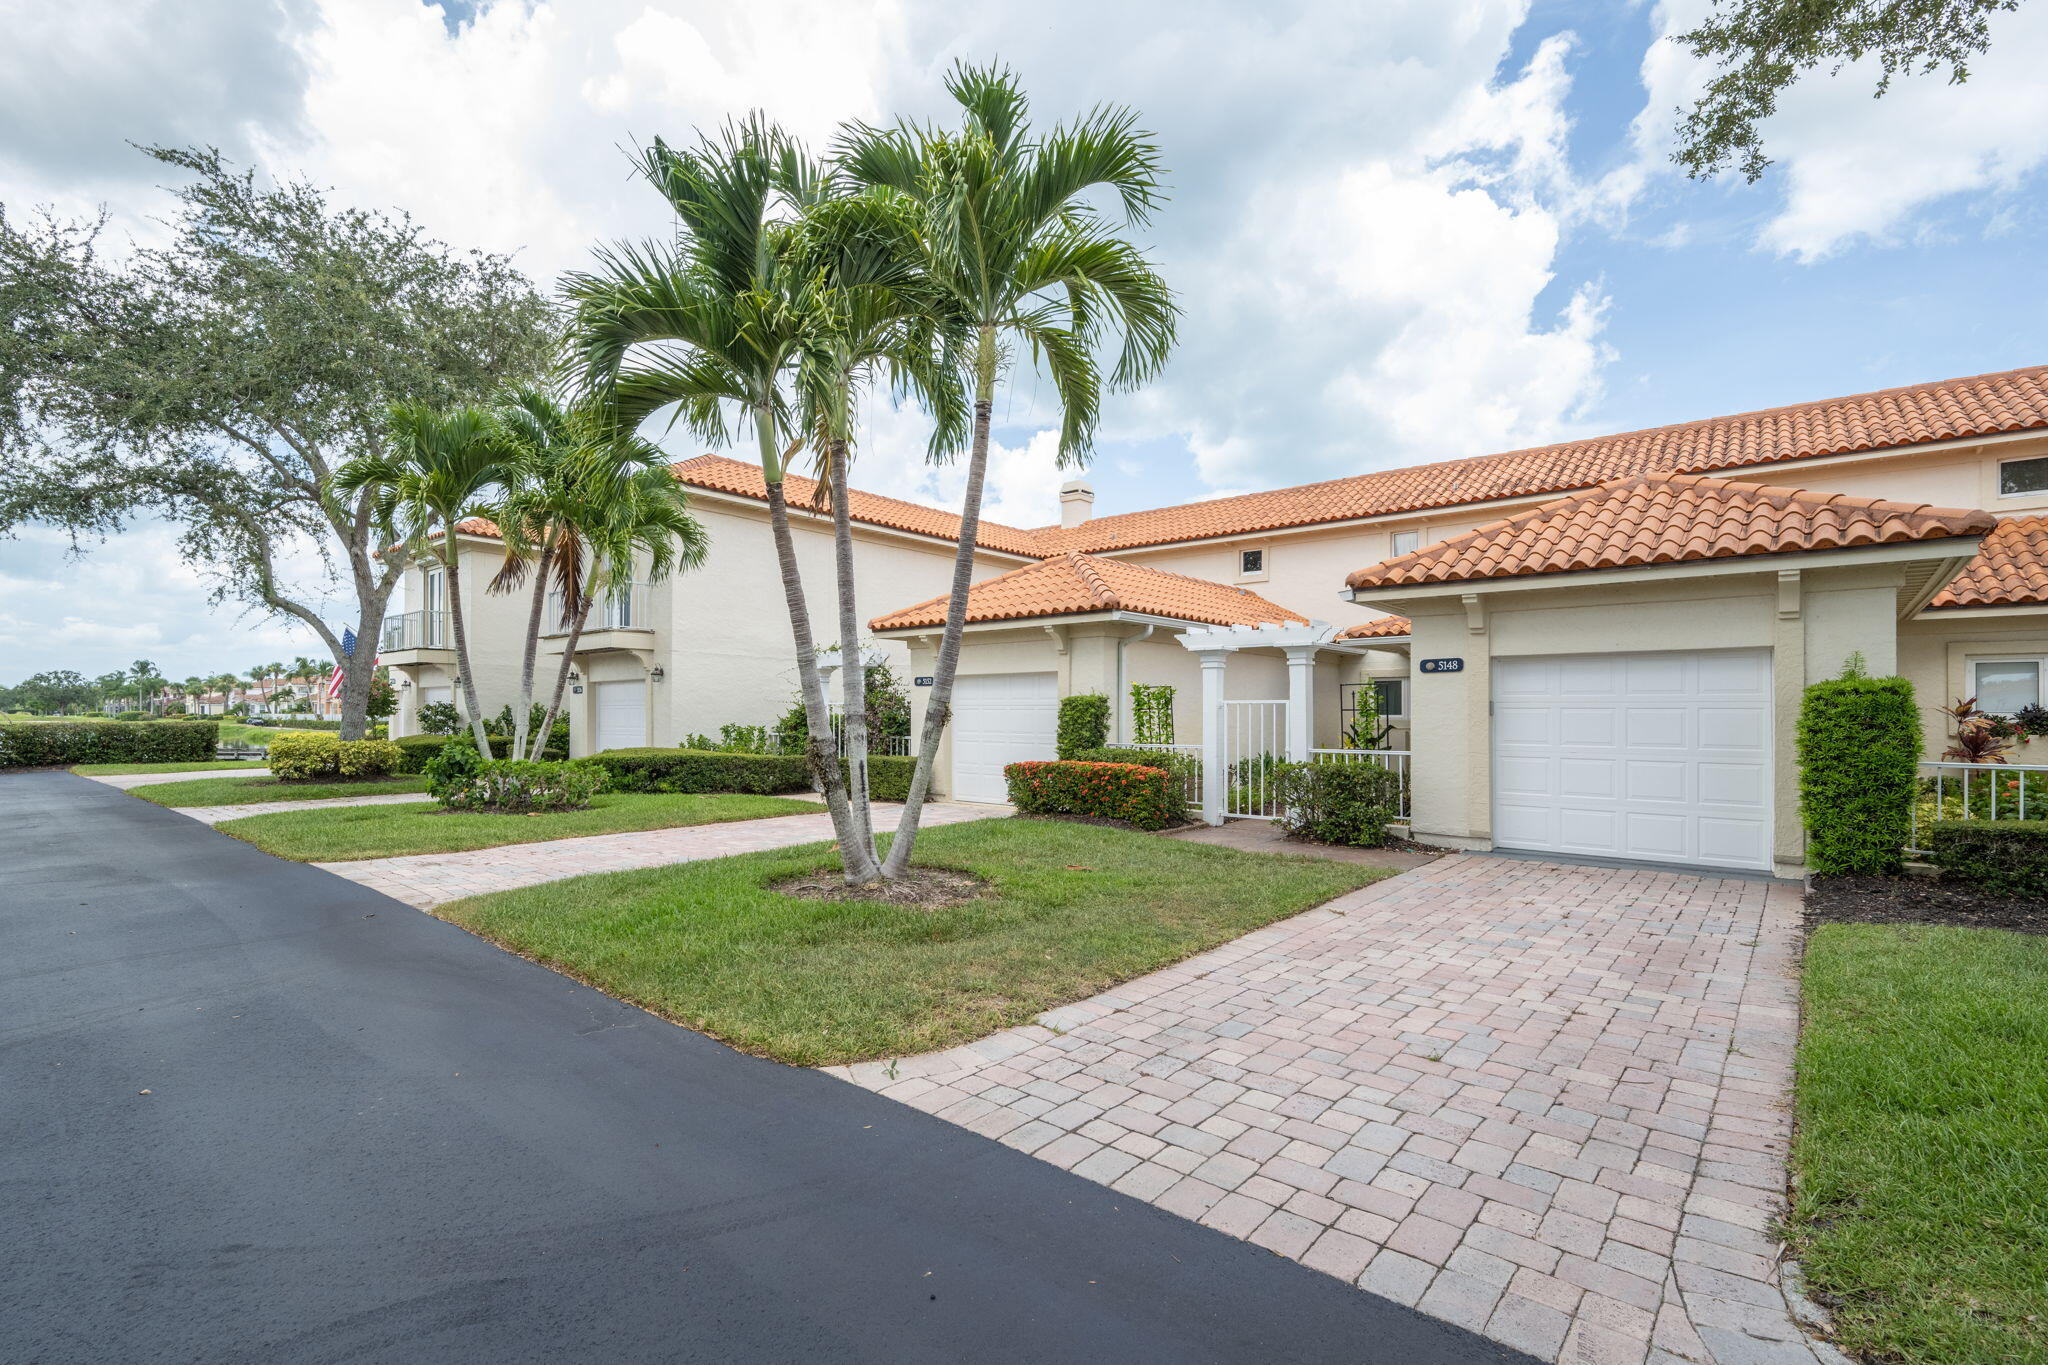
(1122, 728)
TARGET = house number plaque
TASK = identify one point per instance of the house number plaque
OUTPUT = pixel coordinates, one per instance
(922, 682)
(1443, 665)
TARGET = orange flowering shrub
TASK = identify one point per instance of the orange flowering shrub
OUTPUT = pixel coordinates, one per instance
(1115, 791)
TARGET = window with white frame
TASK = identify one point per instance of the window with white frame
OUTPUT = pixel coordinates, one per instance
(1251, 562)
(2019, 477)
(2004, 686)
(1393, 697)
(1406, 541)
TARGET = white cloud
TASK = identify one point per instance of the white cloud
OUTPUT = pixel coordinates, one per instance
(1847, 167)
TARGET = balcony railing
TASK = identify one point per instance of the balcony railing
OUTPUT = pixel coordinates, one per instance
(624, 609)
(416, 630)
(1977, 791)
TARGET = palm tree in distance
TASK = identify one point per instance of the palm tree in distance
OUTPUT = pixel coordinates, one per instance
(437, 471)
(1009, 234)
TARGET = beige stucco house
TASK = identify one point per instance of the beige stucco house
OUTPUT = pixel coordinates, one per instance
(1595, 648)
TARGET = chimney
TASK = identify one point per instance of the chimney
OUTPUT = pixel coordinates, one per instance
(1077, 502)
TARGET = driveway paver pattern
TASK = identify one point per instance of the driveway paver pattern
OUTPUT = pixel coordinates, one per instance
(1548, 1103)
(429, 879)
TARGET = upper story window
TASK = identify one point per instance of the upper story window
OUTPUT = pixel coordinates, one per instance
(1406, 541)
(2023, 476)
(2004, 686)
(1251, 562)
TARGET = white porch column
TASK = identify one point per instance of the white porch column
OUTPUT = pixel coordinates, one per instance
(1301, 695)
(1213, 661)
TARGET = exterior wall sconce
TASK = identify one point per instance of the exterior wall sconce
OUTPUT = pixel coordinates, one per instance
(574, 676)
(657, 673)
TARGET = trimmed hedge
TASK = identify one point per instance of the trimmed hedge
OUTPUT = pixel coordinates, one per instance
(53, 744)
(889, 777)
(1084, 724)
(302, 757)
(1186, 770)
(698, 770)
(1346, 802)
(1859, 755)
(417, 751)
(516, 786)
(2009, 857)
(1140, 796)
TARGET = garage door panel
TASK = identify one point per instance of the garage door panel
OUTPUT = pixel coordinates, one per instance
(1663, 757)
(621, 712)
(1000, 719)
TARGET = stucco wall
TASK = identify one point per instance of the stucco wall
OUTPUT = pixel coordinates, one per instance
(1934, 655)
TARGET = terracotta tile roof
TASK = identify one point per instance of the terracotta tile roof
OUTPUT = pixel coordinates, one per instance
(1386, 627)
(2014, 400)
(721, 475)
(1667, 519)
(1069, 584)
(2010, 570)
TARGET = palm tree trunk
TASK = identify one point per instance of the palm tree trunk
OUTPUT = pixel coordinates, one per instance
(856, 858)
(853, 691)
(939, 707)
(547, 724)
(476, 720)
(524, 715)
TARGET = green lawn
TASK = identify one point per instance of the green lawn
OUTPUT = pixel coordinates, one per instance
(1922, 1155)
(248, 789)
(126, 769)
(1076, 909)
(345, 833)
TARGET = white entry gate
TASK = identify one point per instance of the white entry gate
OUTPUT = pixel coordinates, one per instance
(1254, 735)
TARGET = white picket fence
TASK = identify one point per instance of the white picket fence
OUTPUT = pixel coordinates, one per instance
(1977, 791)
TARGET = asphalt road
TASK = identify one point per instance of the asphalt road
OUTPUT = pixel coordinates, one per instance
(250, 1111)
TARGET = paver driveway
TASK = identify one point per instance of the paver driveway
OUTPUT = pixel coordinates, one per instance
(1547, 1103)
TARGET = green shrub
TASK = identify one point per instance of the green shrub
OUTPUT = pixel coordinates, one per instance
(441, 718)
(298, 758)
(1140, 796)
(416, 751)
(131, 715)
(517, 786)
(366, 757)
(454, 766)
(2009, 857)
(889, 777)
(55, 744)
(1859, 752)
(696, 770)
(1338, 803)
(1186, 770)
(1152, 713)
(1084, 723)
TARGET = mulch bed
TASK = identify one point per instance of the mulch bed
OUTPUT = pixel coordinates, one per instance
(923, 888)
(1919, 900)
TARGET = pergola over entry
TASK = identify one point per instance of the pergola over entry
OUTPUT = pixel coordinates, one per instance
(1226, 738)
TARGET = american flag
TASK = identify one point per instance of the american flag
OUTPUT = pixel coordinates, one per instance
(348, 651)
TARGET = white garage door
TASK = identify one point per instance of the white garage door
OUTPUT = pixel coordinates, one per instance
(1000, 718)
(430, 695)
(1662, 757)
(621, 709)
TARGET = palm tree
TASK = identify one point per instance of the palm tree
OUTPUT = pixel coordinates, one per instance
(718, 321)
(570, 469)
(632, 520)
(881, 319)
(437, 472)
(1009, 236)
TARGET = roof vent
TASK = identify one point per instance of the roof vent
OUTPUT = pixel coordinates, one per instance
(1077, 502)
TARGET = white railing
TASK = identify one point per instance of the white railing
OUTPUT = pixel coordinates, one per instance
(416, 630)
(1394, 761)
(1191, 773)
(897, 746)
(624, 608)
(1977, 791)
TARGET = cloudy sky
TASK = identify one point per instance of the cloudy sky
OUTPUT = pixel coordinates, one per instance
(1401, 231)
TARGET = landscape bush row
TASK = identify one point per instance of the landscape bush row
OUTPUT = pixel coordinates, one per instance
(54, 744)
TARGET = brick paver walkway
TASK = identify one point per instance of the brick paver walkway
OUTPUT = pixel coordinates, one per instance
(1545, 1102)
(213, 815)
(428, 879)
(127, 780)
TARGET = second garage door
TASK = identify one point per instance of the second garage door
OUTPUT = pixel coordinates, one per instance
(621, 710)
(1662, 757)
(998, 719)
